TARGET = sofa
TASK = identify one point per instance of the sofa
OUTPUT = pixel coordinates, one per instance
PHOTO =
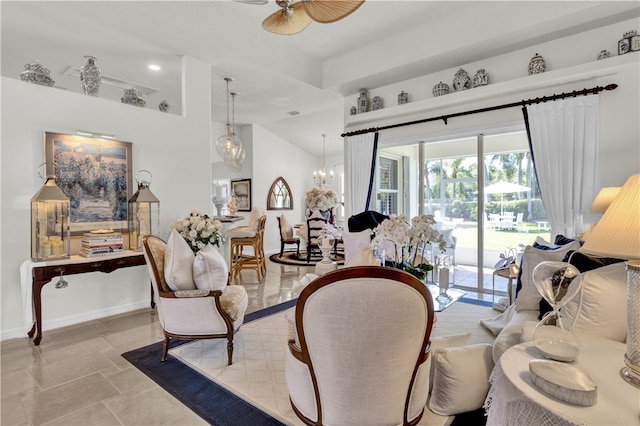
(598, 310)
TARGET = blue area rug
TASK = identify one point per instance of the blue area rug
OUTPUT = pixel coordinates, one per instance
(215, 404)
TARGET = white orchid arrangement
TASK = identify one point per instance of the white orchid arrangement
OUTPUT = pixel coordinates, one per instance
(321, 199)
(199, 230)
(409, 242)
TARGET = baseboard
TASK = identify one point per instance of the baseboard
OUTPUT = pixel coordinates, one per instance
(17, 333)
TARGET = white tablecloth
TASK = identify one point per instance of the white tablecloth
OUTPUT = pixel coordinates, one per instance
(514, 400)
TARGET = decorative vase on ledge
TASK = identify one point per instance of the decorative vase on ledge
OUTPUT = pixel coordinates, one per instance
(461, 81)
(90, 76)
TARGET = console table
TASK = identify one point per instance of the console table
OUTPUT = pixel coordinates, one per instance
(35, 275)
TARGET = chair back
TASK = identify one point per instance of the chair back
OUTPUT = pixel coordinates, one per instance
(286, 231)
(314, 226)
(364, 334)
(366, 220)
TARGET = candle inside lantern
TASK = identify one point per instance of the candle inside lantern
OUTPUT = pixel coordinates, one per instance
(45, 246)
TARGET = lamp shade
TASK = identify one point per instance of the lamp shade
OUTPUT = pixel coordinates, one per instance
(617, 234)
(604, 198)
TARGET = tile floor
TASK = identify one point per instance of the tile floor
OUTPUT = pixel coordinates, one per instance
(77, 376)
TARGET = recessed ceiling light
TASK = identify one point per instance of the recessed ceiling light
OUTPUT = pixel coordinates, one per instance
(154, 67)
(293, 112)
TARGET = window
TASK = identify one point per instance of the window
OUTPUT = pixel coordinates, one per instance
(388, 179)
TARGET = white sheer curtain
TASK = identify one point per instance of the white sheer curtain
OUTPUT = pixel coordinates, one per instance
(564, 143)
(360, 159)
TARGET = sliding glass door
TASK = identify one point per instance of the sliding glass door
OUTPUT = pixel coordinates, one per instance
(482, 188)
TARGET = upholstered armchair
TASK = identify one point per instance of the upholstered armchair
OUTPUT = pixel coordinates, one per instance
(193, 313)
(361, 348)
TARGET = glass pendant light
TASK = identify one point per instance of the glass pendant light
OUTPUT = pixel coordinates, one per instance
(238, 154)
(228, 145)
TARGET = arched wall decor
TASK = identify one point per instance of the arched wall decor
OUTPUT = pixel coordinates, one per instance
(279, 195)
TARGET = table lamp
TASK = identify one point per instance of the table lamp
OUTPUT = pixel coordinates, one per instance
(604, 198)
(617, 234)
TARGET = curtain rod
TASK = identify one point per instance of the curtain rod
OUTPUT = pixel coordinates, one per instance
(554, 97)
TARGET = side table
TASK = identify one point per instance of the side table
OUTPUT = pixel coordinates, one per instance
(514, 400)
(510, 273)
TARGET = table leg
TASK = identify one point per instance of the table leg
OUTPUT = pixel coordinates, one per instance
(37, 308)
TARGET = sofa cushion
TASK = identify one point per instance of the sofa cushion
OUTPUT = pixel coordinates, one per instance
(584, 263)
(178, 263)
(528, 297)
(461, 379)
(511, 334)
(600, 307)
(210, 271)
(444, 342)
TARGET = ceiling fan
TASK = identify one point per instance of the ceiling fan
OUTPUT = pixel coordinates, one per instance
(295, 17)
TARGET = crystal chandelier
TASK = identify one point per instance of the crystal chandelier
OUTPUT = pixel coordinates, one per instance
(229, 146)
(320, 177)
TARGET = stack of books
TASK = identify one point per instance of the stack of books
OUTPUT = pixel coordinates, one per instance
(101, 244)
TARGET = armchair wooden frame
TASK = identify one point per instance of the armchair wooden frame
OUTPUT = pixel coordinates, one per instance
(301, 352)
(158, 284)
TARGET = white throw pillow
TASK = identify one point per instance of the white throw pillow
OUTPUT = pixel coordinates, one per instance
(529, 297)
(443, 342)
(210, 271)
(364, 257)
(461, 379)
(178, 263)
(600, 307)
(354, 241)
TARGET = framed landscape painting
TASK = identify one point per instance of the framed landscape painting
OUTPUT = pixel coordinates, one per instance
(96, 176)
(242, 188)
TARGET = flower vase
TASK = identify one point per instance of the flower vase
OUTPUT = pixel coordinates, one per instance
(90, 76)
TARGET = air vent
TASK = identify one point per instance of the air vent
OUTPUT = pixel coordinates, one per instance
(73, 71)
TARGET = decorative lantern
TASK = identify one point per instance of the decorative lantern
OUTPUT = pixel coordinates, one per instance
(143, 212)
(50, 238)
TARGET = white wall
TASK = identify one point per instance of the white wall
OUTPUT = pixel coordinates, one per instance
(175, 149)
(274, 157)
(178, 150)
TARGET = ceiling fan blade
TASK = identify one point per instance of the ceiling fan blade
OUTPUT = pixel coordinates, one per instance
(327, 11)
(278, 23)
(257, 2)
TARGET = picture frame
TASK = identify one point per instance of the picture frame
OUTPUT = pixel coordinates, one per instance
(96, 175)
(242, 189)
